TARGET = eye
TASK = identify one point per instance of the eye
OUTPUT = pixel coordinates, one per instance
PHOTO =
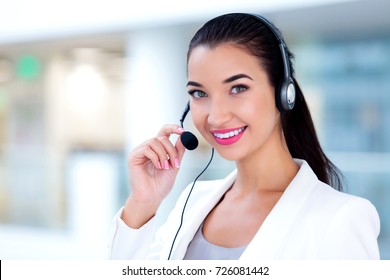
(197, 94)
(238, 89)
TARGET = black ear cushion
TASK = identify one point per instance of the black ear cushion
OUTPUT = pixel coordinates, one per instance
(282, 96)
(279, 97)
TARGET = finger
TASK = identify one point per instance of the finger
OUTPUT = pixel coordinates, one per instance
(160, 150)
(143, 154)
(171, 152)
(169, 129)
(153, 157)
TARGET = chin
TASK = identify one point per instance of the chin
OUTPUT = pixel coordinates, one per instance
(229, 153)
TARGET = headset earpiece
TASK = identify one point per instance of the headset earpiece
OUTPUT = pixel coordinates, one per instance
(285, 96)
(285, 93)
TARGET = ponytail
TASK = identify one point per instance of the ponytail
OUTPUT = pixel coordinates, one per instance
(302, 141)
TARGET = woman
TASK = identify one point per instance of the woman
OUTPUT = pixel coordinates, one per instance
(278, 203)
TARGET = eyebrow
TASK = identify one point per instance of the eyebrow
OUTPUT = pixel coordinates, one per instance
(236, 77)
(195, 84)
(227, 81)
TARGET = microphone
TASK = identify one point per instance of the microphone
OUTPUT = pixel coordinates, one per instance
(189, 140)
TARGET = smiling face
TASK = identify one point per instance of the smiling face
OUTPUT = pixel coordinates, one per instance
(232, 101)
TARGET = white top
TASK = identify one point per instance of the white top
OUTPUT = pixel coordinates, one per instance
(311, 220)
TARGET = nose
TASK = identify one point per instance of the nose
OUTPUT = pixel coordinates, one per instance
(219, 113)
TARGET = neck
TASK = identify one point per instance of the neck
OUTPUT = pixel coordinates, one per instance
(270, 169)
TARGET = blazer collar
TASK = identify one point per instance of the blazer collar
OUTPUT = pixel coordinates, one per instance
(269, 238)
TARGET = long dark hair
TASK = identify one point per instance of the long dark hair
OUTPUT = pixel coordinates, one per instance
(248, 32)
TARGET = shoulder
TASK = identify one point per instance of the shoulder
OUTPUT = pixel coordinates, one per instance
(347, 226)
(348, 205)
(327, 201)
(336, 198)
(351, 225)
(323, 196)
(325, 206)
(335, 225)
(341, 203)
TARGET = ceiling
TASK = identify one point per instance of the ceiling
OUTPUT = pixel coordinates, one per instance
(329, 19)
(370, 18)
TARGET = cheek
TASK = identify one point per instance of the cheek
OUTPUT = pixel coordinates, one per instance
(262, 113)
(198, 118)
(257, 108)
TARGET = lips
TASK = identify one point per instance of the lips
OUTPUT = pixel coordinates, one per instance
(228, 136)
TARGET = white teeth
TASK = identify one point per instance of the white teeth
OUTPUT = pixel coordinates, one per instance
(228, 134)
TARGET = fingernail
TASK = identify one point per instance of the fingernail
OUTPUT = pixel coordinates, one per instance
(177, 163)
(159, 165)
(166, 164)
(180, 129)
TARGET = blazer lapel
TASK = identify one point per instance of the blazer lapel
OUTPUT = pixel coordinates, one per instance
(270, 237)
(205, 196)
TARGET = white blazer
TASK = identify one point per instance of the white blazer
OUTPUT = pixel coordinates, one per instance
(311, 220)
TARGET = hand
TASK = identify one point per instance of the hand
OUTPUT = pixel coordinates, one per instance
(152, 167)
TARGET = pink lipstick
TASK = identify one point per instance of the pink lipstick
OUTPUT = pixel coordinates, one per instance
(228, 136)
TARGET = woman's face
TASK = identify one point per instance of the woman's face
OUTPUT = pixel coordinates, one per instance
(232, 102)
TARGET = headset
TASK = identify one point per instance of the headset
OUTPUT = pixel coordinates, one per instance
(284, 97)
(285, 92)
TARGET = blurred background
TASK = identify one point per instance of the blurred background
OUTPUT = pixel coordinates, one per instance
(83, 82)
